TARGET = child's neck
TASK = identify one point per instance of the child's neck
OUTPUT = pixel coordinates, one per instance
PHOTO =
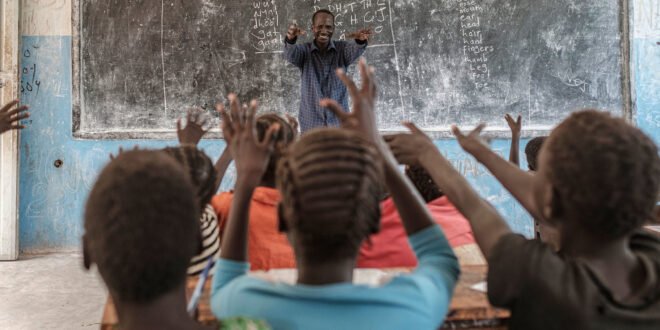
(166, 312)
(267, 184)
(326, 273)
(613, 261)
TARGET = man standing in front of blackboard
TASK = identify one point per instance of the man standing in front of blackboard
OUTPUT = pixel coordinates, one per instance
(318, 61)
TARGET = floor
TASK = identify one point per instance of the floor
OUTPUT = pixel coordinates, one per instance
(50, 292)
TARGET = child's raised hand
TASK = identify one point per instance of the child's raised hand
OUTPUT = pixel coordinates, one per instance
(239, 130)
(9, 117)
(514, 125)
(471, 142)
(363, 117)
(194, 130)
(409, 148)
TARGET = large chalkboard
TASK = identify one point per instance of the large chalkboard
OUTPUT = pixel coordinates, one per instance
(143, 63)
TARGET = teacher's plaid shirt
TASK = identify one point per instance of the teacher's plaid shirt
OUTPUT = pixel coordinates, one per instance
(318, 78)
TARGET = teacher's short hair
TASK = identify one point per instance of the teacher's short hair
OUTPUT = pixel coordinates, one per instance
(324, 11)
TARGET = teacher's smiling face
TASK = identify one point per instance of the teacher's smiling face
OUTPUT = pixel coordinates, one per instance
(323, 27)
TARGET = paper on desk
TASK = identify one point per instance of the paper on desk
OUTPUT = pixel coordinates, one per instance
(481, 287)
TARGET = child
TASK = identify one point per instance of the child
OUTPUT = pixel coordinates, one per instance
(141, 231)
(597, 181)
(269, 247)
(389, 248)
(9, 117)
(532, 151)
(518, 182)
(330, 194)
(542, 230)
(203, 176)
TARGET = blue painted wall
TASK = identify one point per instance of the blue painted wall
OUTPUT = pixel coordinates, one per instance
(52, 198)
(646, 64)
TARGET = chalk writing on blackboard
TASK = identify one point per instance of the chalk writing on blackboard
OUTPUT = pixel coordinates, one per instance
(475, 53)
(264, 27)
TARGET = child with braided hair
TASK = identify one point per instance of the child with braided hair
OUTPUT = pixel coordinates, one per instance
(269, 248)
(203, 176)
(330, 183)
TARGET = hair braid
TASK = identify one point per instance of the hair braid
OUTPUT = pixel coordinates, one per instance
(200, 169)
(330, 193)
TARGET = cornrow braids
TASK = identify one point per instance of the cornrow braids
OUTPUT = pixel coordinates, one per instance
(200, 168)
(283, 138)
(329, 182)
(423, 182)
(606, 173)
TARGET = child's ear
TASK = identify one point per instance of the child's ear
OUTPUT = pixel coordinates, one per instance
(552, 206)
(87, 260)
(546, 202)
(281, 220)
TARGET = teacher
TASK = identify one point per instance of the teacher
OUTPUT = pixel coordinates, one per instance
(318, 61)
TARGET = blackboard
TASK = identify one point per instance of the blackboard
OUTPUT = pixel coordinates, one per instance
(142, 64)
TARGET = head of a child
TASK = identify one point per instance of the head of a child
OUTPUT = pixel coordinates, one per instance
(423, 182)
(200, 169)
(532, 152)
(141, 226)
(597, 175)
(283, 138)
(329, 182)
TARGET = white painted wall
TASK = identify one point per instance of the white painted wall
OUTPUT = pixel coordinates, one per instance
(8, 141)
(46, 17)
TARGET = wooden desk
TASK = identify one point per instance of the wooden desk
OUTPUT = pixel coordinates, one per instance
(469, 308)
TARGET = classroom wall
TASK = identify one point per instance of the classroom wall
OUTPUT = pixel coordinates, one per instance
(52, 193)
(646, 65)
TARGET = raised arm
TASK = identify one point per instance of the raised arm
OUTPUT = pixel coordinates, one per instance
(362, 119)
(516, 127)
(194, 130)
(355, 50)
(418, 149)
(222, 164)
(515, 180)
(251, 158)
(294, 54)
(438, 269)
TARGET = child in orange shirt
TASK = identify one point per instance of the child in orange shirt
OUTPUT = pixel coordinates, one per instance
(269, 248)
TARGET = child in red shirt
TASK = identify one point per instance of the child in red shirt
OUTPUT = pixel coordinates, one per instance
(390, 247)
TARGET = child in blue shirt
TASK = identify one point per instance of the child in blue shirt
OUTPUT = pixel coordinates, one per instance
(330, 182)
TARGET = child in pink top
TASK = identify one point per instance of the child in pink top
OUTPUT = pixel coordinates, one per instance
(390, 248)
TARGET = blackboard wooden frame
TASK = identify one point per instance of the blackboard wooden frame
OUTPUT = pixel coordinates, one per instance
(627, 91)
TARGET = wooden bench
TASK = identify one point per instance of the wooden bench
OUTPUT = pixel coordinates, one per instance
(469, 308)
